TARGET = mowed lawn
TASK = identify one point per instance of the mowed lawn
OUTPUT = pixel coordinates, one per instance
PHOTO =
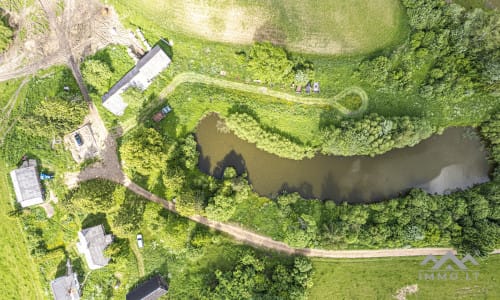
(382, 278)
(18, 274)
(310, 26)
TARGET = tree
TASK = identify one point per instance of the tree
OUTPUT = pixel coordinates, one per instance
(54, 116)
(93, 196)
(143, 151)
(6, 34)
(374, 134)
(269, 63)
(97, 74)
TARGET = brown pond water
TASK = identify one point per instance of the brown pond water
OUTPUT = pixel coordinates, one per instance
(456, 159)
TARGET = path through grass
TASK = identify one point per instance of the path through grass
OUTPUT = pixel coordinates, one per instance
(189, 77)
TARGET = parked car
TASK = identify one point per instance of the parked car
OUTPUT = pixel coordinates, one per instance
(78, 139)
(140, 242)
(161, 114)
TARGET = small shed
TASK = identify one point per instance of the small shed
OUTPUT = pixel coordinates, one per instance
(27, 184)
(66, 287)
(93, 242)
(152, 289)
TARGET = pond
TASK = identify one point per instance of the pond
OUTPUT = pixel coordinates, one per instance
(443, 163)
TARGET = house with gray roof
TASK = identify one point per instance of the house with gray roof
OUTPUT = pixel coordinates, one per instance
(92, 243)
(141, 76)
(27, 184)
(152, 289)
(66, 287)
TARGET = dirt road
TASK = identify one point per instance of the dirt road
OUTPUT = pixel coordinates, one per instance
(52, 35)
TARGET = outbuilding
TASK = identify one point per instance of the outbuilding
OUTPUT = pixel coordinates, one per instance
(66, 287)
(92, 243)
(152, 289)
(27, 184)
(141, 76)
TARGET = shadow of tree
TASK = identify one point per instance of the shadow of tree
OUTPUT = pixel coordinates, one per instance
(232, 159)
(96, 219)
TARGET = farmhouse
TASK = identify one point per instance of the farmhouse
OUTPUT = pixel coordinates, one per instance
(141, 76)
(27, 184)
(152, 289)
(66, 287)
(92, 243)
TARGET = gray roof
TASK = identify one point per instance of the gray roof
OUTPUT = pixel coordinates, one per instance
(27, 184)
(66, 287)
(125, 80)
(152, 289)
(97, 241)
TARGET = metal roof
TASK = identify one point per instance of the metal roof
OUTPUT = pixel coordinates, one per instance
(152, 289)
(93, 242)
(148, 67)
(27, 184)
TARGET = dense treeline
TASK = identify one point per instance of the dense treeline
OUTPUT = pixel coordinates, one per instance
(374, 134)
(468, 220)
(451, 56)
(249, 129)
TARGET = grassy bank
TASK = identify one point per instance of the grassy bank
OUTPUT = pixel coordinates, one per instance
(19, 277)
(382, 278)
(308, 26)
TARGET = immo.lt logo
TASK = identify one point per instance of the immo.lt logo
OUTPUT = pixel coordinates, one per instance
(449, 267)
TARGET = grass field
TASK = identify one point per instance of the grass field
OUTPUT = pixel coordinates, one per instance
(323, 27)
(18, 273)
(381, 278)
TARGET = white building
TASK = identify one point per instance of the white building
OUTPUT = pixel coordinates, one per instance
(141, 76)
(92, 243)
(27, 184)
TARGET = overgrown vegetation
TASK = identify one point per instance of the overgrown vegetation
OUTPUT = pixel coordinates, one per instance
(44, 113)
(451, 57)
(6, 33)
(105, 68)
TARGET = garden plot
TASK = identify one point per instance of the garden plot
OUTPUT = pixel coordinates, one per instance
(84, 149)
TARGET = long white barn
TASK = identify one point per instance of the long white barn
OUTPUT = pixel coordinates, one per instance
(141, 76)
